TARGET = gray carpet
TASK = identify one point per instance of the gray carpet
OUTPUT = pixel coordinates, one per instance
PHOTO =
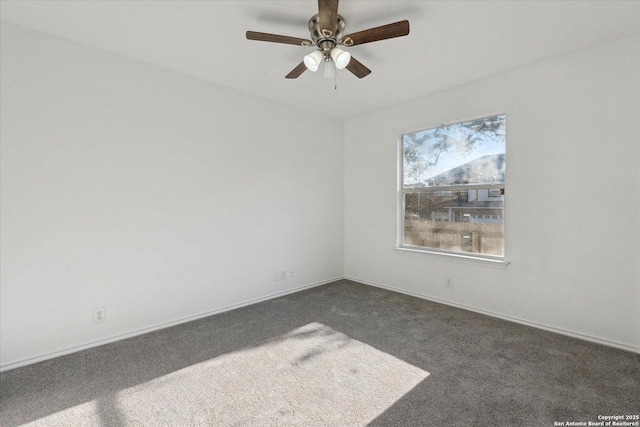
(341, 354)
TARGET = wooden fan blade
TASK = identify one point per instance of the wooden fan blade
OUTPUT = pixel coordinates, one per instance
(265, 37)
(389, 31)
(295, 73)
(357, 68)
(328, 19)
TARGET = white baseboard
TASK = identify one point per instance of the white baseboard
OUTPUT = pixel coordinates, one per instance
(46, 356)
(113, 338)
(585, 337)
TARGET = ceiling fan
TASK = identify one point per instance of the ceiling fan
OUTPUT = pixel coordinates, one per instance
(327, 33)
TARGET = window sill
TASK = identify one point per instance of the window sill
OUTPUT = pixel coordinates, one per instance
(466, 259)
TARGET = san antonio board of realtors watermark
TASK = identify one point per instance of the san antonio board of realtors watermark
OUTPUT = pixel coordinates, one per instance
(604, 421)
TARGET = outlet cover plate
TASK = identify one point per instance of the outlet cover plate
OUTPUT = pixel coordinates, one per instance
(99, 315)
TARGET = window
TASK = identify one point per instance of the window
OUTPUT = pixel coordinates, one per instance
(452, 188)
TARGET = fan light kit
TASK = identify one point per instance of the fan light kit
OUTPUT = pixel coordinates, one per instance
(326, 30)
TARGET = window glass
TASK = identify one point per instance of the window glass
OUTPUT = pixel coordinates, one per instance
(452, 190)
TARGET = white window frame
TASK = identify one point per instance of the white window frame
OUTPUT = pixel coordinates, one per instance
(493, 260)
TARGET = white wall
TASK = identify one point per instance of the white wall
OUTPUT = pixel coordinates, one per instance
(164, 197)
(154, 194)
(572, 196)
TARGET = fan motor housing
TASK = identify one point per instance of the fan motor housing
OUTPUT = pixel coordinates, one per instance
(325, 41)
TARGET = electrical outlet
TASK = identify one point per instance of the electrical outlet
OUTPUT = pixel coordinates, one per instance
(281, 275)
(99, 314)
(292, 273)
(448, 283)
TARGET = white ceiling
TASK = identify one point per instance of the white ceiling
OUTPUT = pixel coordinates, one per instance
(451, 42)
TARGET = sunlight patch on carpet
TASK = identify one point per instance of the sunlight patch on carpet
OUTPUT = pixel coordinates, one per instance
(313, 375)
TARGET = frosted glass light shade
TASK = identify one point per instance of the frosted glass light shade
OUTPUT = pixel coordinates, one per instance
(329, 71)
(340, 58)
(313, 60)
